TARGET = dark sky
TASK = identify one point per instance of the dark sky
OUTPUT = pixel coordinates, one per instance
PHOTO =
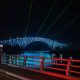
(14, 16)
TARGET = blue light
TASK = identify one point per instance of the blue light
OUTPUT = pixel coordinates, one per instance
(22, 42)
(31, 61)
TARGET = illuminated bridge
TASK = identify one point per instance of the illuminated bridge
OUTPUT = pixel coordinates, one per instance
(22, 42)
(19, 67)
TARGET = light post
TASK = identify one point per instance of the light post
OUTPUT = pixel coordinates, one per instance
(61, 57)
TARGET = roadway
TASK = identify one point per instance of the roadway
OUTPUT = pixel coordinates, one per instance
(5, 76)
(22, 74)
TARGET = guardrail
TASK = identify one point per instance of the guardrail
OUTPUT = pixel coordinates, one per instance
(40, 63)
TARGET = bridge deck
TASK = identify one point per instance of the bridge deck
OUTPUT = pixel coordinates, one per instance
(35, 74)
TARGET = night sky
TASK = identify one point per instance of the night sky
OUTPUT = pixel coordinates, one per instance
(62, 23)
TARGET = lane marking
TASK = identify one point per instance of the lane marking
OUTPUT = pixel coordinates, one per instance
(14, 75)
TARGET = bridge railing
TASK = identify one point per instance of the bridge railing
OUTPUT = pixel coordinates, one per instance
(68, 66)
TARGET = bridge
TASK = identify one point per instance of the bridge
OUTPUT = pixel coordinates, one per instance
(71, 71)
(23, 42)
(18, 66)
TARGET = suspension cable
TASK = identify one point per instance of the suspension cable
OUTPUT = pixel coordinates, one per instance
(28, 18)
(51, 25)
(54, 3)
(67, 25)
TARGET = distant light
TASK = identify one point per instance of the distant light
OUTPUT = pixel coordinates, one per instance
(1, 45)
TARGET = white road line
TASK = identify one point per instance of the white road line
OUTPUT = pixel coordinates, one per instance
(14, 75)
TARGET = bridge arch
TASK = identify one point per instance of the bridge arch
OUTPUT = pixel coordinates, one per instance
(27, 40)
(38, 46)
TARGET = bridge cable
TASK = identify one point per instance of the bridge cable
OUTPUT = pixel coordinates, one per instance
(54, 3)
(28, 18)
(51, 25)
(67, 25)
